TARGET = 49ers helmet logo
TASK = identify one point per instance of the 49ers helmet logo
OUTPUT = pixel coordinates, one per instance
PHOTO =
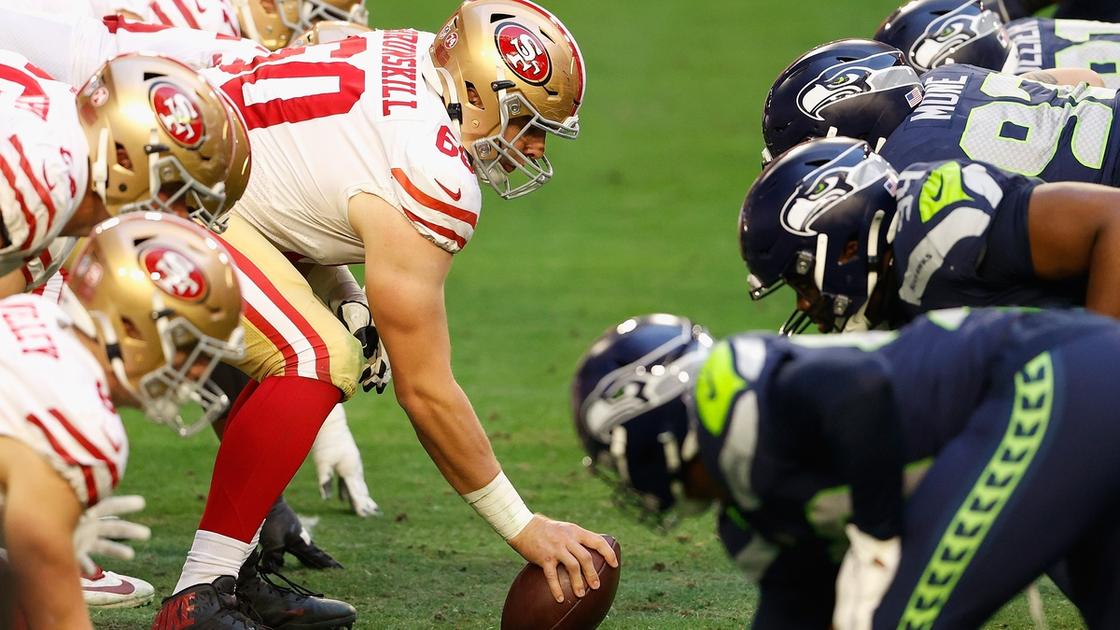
(174, 273)
(177, 114)
(524, 53)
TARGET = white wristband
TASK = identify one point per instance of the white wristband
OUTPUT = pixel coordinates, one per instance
(501, 506)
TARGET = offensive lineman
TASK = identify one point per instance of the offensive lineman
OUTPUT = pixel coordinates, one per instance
(864, 89)
(931, 33)
(943, 453)
(865, 247)
(155, 306)
(479, 97)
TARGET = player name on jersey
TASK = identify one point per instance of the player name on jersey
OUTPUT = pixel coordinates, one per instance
(398, 70)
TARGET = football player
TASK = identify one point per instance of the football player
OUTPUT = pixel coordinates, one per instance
(155, 306)
(864, 89)
(938, 456)
(276, 24)
(931, 33)
(1104, 10)
(865, 247)
(383, 168)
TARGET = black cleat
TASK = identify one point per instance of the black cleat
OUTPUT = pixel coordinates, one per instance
(291, 606)
(204, 607)
(282, 533)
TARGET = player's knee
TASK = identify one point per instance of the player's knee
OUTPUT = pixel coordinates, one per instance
(346, 362)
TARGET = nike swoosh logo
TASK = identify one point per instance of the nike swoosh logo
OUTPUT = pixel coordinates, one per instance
(457, 195)
(940, 190)
(120, 588)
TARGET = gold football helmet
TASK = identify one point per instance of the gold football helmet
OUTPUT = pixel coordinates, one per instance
(159, 134)
(328, 31)
(161, 294)
(522, 63)
(275, 23)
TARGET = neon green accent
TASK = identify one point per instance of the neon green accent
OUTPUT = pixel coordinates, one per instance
(950, 319)
(717, 386)
(942, 188)
(1026, 429)
(737, 517)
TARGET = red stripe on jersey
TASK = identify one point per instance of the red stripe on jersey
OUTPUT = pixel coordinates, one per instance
(37, 71)
(87, 473)
(428, 201)
(160, 15)
(40, 190)
(27, 216)
(576, 55)
(258, 278)
(28, 278)
(191, 22)
(114, 474)
(116, 22)
(438, 229)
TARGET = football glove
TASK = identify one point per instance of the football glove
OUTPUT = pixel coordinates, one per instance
(335, 453)
(866, 573)
(100, 528)
(377, 372)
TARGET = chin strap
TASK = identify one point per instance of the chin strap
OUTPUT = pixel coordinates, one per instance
(858, 321)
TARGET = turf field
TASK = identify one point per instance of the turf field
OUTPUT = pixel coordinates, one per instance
(640, 217)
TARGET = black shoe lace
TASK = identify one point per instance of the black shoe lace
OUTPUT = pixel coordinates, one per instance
(292, 587)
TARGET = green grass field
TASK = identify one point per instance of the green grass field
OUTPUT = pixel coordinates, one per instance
(640, 217)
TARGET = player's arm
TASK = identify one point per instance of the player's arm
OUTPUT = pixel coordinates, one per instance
(40, 514)
(1065, 76)
(1074, 231)
(405, 276)
(12, 283)
(847, 403)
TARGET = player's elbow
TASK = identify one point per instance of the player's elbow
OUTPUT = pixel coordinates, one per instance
(426, 398)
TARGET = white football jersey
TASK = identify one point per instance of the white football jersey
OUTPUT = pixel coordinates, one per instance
(360, 115)
(43, 159)
(45, 274)
(215, 16)
(54, 398)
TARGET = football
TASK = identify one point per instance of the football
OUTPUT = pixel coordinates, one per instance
(530, 604)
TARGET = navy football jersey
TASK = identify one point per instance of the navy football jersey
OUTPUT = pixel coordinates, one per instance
(961, 239)
(1041, 44)
(769, 429)
(1055, 133)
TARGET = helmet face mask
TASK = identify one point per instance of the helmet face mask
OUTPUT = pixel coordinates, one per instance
(162, 297)
(301, 15)
(629, 410)
(494, 152)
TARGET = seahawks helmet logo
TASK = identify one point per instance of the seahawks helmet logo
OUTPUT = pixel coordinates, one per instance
(877, 73)
(952, 31)
(823, 189)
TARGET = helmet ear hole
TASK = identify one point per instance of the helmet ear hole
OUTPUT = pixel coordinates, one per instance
(130, 328)
(124, 160)
(472, 96)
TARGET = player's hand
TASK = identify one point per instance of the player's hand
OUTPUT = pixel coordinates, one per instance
(100, 528)
(866, 573)
(377, 372)
(336, 453)
(551, 544)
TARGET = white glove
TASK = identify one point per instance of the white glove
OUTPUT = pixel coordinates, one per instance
(377, 372)
(866, 573)
(99, 528)
(334, 453)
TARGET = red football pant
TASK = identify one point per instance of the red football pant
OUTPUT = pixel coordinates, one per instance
(268, 435)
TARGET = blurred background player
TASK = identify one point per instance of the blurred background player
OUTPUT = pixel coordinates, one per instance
(155, 306)
(1103, 10)
(937, 456)
(864, 89)
(279, 23)
(64, 171)
(931, 33)
(865, 247)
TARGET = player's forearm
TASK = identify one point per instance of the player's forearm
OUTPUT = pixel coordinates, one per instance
(450, 432)
(1103, 294)
(335, 284)
(46, 572)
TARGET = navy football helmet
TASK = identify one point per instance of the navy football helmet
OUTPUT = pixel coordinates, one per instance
(629, 411)
(799, 220)
(932, 33)
(853, 87)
